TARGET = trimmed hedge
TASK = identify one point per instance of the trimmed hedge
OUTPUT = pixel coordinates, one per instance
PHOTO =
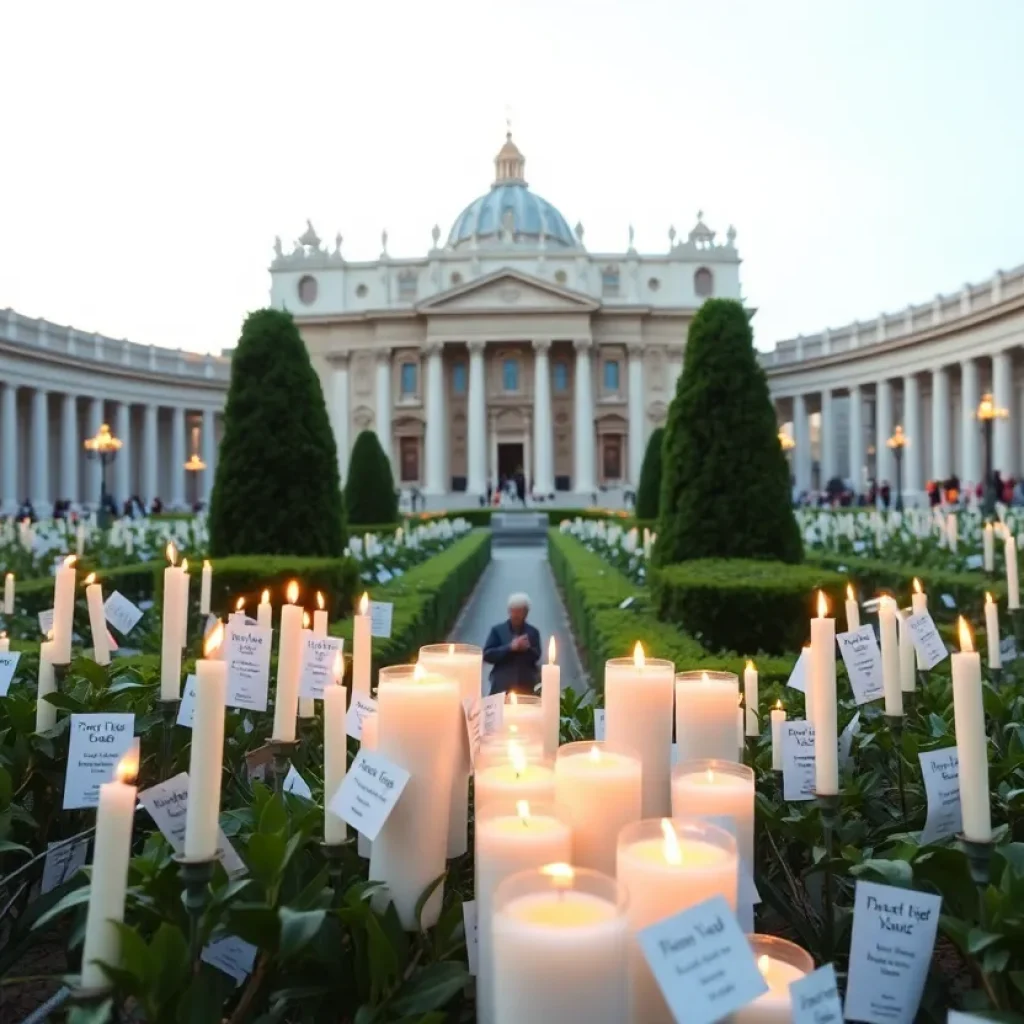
(370, 495)
(593, 590)
(648, 492)
(427, 600)
(742, 604)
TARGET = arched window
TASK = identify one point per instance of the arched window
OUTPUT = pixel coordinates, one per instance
(307, 290)
(703, 283)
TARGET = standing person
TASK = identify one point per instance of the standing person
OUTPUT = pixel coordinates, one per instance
(513, 648)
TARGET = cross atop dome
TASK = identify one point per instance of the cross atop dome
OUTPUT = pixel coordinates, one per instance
(509, 164)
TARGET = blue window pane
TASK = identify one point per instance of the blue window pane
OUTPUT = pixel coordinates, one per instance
(408, 378)
(459, 378)
(510, 375)
(561, 377)
(611, 375)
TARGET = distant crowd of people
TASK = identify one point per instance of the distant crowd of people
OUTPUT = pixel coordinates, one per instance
(132, 508)
(839, 493)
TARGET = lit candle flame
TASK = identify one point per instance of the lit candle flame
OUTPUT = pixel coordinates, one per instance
(517, 757)
(673, 855)
(292, 593)
(551, 650)
(172, 552)
(214, 640)
(778, 705)
(239, 604)
(305, 620)
(91, 578)
(70, 561)
(988, 598)
(128, 767)
(918, 589)
(822, 605)
(320, 600)
(763, 965)
(184, 565)
(561, 875)
(206, 563)
(966, 643)
(638, 655)
(265, 597)
(419, 673)
(364, 604)
(849, 592)
(595, 753)
(523, 810)
(750, 665)
(710, 776)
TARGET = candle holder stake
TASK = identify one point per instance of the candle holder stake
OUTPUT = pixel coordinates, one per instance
(91, 999)
(909, 702)
(1017, 618)
(995, 676)
(979, 859)
(169, 714)
(895, 723)
(196, 876)
(751, 748)
(60, 675)
(334, 854)
(829, 805)
(283, 751)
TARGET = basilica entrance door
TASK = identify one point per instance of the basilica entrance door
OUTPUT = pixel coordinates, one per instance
(510, 460)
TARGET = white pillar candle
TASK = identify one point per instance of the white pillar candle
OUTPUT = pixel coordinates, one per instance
(706, 715)
(5, 643)
(183, 594)
(236, 620)
(170, 637)
(202, 818)
(988, 548)
(750, 700)
(514, 777)
(561, 937)
(601, 790)
(887, 615)
(80, 540)
(97, 620)
(494, 748)
(1012, 581)
(527, 712)
(667, 866)
(780, 963)
(971, 740)
(286, 693)
(335, 751)
(509, 838)
(9, 594)
(46, 713)
(367, 741)
(551, 699)
(995, 657)
(852, 609)
(111, 853)
(702, 789)
(264, 611)
(778, 720)
(361, 648)
(918, 606)
(63, 611)
(908, 657)
(464, 663)
(638, 716)
(320, 619)
(418, 729)
(205, 586)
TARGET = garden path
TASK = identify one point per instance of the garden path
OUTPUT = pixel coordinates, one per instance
(526, 568)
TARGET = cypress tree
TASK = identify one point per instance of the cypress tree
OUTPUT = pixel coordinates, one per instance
(648, 492)
(277, 490)
(370, 496)
(725, 490)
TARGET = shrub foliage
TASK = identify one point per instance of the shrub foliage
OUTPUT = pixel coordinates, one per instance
(370, 495)
(648, 493)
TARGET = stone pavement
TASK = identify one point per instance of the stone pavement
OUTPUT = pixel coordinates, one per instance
(513, 569)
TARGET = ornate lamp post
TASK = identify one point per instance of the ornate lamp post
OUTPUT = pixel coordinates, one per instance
(104, 447)
(988, 412)
(897, 443)
(195, 465)
(787, 444)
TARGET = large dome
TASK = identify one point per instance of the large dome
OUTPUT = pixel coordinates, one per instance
(511, 210)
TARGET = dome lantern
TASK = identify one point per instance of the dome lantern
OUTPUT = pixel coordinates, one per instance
(509, 164)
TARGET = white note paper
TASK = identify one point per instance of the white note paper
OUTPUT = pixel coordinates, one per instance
(359, 708)
(46, 622)
(599, 723)
(815, 998)
(927, 642)
(798, 677)
(8, 664)
(863, 661)
(295, 783)
(63, 860)
(187, 707)
(1008, 649)
(97, 742)
(318, 654)
(369, 793)
(948, 600)
(381, 613)
(470, 927)
(940, 770)
(247, 653)
(974, 561)
(121, 613)
(797, 760)
(483, 717)
(846, 740)
(232, 955)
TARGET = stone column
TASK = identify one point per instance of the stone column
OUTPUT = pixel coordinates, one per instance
(476, 422)
(583, 463)
(9, 448)
(970, 438)
(828, 439)
(339, 411)
(70, 449)
(637, 435)
(150, 456)
(435, 419)
(122, 462)
(801, 445)
(857, 438)
(1002, 393)
(543, 454)
(177, 457)
(209, 442)
(383, 390)
(940, 424)
(883, 431)
(39, 467)
(913, 485)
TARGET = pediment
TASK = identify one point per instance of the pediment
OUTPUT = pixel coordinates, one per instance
(507, 291)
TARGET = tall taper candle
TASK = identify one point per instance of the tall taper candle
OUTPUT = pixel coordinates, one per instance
(9, 594)
(335, 750)
(995, 656)
(887, 613)
(778, 720)
(264, 611)
(170, 638)
(551, 699)
(202, 817)
(823, 682)
(97, 620)
(988, 548)
(46, 713)
(361, 647)
(320, 620)
(205, 586)
(750, 700)
(307, 706)
(852, 609)
(63, 611)
(971, 740)
(183, 592)
(908, 659)
(5, 644)
(286, 695)
(1012, 581)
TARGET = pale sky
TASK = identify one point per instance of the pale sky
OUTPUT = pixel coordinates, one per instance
(869, 153)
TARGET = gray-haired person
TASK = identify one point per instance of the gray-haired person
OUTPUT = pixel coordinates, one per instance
(513, 648)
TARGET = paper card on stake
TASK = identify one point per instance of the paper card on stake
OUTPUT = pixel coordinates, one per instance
(97, 743)
(381, 613)
(797, 760)
(167, 804)
(121, 613)
(46, 622)
(626, 602)
(859, 546)
(958, 1017)
(360, 707)
(798, 677)
(599, 724)
(948, 600)
(8, 664)
(295, 783)
(974, 562)
(383, 576)
(890, 952)
(702, 962)
(369, 793)
(927, 642)
(187, 707)
(470, 927)
(318, 654)
(247, 653)
(484, 716)
(1008, 649)
(863, 661)
(846, 740)
(815, 998)
(940, 770)
(63, 859)
(232, 955)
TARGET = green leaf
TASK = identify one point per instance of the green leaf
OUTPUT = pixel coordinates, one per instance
(66, 702)
(74, 898)
(978, 939)
(203, 1001)
(274, 817)
(383, 957)
(265, 856)
(99, 1014)
(6, 846)
(298, 929)
(425, 896)
(891, 872)
(995, 960)
(170, 960)
(431, 988)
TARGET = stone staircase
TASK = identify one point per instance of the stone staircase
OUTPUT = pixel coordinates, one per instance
(519, 529)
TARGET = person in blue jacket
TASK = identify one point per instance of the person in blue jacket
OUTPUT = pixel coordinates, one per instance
(513, 648)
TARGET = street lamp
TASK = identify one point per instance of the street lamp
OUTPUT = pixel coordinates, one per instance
(195, 465)
(988, 412)
(787, 444)
(897, 443)
(104, 447)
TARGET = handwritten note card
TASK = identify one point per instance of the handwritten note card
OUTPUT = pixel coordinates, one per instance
(815, 998)
(797, 760)
(472, 942)
(798, 677)
(232, 955)
(295, 783)
(358, 710)
(319, 654)
(46, 622)
(863, 661)
(599, 723)
(381, 614)
(97, 743)
(247, 653)
(927, 642)
(63, 859)
(121, 613)
(940, 770)
(369, 793)
(484, 716)
(187, 707)
(8, 664)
